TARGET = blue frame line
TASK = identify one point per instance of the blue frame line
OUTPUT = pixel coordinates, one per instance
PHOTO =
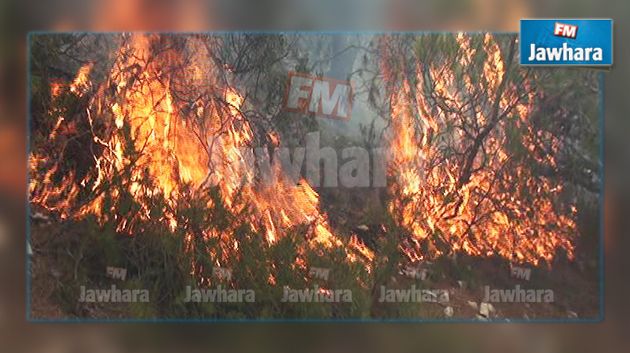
(29, 318)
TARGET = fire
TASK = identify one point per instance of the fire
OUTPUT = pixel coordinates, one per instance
(174, 133)
(171, 124)
(450, 205)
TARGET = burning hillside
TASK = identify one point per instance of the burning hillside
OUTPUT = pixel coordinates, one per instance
(167, 134)
(139, 129)
(453, 152)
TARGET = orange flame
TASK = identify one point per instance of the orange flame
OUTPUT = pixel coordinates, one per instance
(430, 200)
(159, 148)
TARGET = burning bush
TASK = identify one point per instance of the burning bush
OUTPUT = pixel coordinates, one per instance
(145, 146)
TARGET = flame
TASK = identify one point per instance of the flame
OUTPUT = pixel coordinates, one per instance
(173, 133)
(429, 198)
(160, 145)
(81, 82)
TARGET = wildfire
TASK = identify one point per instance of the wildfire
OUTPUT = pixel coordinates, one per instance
(479, 213)
(173, 134)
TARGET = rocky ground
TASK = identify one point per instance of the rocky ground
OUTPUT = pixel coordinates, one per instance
(575, 287)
